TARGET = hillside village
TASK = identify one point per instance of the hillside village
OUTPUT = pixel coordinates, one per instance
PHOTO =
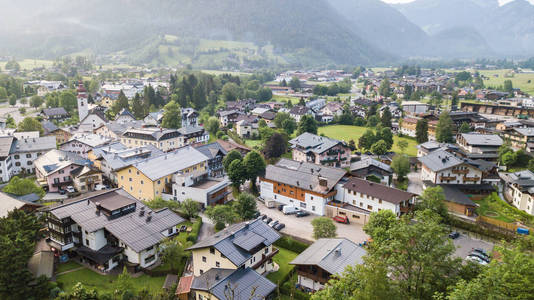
(196, 186)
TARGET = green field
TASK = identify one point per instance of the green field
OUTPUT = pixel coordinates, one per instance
(282, 259)
(30, 64)
(347, 133)
(521, 80)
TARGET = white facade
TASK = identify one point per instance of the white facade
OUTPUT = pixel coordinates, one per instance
(6, 169)
(90, 123)
(312, 203)
(455, 175)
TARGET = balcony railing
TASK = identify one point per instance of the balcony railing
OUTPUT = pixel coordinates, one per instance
(265, 258)
(447, 178)
(473, 179)
(313, 277)
(460, 171)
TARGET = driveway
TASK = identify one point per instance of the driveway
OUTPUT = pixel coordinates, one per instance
(464, 244)
(415, 184)
(302, 228)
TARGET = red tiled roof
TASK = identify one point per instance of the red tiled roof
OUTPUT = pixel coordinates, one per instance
(184, 286)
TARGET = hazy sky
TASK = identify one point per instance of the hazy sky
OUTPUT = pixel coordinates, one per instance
(405, 1)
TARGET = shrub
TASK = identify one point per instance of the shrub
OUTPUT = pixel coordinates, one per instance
(287, 288)
(291, 244)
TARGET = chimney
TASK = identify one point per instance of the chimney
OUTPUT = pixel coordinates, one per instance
(148, 218)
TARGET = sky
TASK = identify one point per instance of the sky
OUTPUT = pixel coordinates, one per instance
(502, 2)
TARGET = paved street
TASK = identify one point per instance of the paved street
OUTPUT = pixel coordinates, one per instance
(415, 184)
(301, 227)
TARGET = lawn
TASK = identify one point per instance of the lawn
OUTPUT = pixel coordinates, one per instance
(521, 80)
(70, 265)
(30, 64)
(348, 132)
(252, 143)
(283, 258)
(104, 283)
(495, 207)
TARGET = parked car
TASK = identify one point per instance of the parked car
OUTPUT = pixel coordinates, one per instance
(302, 213)
(70, 189)
(62, 192)
(274, 223)
(256, 215)
(281, 207)
(454, 235)
(481, 256)
(279, 226)
(481, 251)
(100, 187)
(263, 217)
(268, 220)
(289, 210)
(341, 219)
(476, 260)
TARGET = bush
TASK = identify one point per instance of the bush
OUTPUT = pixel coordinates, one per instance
(219, 226)
(195, 228)
(287, 288)
(291, 244)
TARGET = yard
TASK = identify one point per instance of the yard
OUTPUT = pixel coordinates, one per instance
(282, 259)
(496, 208)
(348, 132)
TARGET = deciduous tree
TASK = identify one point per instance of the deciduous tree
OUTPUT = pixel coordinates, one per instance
(323, 227)
(307, 124)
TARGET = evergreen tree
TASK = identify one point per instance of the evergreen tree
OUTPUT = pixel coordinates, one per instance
(307, 124)
(386, 118)
(444, 129)
(421, 131)
(172, 116)
(121, 103)
(137, 107)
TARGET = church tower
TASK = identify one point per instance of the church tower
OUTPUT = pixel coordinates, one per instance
(83, 110)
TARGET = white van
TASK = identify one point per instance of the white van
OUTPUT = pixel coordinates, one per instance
(289, 210)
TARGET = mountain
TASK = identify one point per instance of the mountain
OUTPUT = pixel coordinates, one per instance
(293, 28)
(382, 25)
(507, 29)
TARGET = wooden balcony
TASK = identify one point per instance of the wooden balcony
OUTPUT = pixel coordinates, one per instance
(313, 277)
(473, 179)
(265, 258)
(460, 171)
(446, 178)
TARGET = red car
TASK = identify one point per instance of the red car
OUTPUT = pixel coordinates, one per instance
(341, 219)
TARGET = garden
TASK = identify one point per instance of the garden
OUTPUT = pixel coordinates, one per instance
(496, 208)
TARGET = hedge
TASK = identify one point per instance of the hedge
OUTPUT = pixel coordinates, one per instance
(195, 228)
(287, 288)
(291, 244)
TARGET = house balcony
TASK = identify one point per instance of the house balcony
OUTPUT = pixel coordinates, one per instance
(460, 171)
(472, 179)
(313, 277)
(447, 178)
(265, 258)
(62, 183)
(336, 203)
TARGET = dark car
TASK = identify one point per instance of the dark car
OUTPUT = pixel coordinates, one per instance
(279, 226)
(481, 251)
(302, 213)
(454, 235)
(263, 217)
(481, 256)
(268, 220)
(273, 224)
(256, 215)
(281, 207)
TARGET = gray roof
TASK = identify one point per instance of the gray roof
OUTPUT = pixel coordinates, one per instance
(49, 126)
(5, 145)
(120, 127)
(210, 150)
(453, 194)
(440, 160)
(314, 143)
(155, 133)
(170, 163)
(237, 240)
(524, 180)
(525, 131)
(304, 175)
(190, 130)
(35, 144)
(132, 229)
(54, 111)
(482, 139)
(57, 159)
(244, 284)
(367, 162)
(119, 156)
(331, 255)
(90, 139)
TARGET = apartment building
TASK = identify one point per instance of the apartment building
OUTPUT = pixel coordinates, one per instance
(82, 143)
(442, 167)
(518, 189)
(107, 228)
(163, 139)
(479, 146)
(325, 151)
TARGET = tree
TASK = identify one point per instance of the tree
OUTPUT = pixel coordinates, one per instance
(221, 214)
(379, 148)
(294, 83)
(265, 94)
(372, 121)
(121, 103)
(172, 116)
(3, 93)
(385, 88)
(23, 186)
(172, 253)
(23, 101)
(190, 208)
(464, 128)
(280, 118)
(367, 140)
(230, 157)
(68, 100)
(254, 165)
(275, 146)
(444, 128)
(36, 101)
(124, 283)
(10, 122)
(503, 150)
(402, 144)
(30, 124)
(433, 199)
(385, 135)
(289, 126)
(508, 159)
(245, 206)
(323, 227)
(237, 173)
(137, 107)
(386, 118)
(12, 65)
(421, 131)
(12, 99)
(379, 225)
(307, 124)
(508, 86)
(212, 125)
(401, 166)
(230, 91)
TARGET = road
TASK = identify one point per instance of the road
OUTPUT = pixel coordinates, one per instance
(301, 227)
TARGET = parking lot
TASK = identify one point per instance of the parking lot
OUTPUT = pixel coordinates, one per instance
(464, 244)
(302, 228)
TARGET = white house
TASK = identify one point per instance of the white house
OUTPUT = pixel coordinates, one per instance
(442, 167)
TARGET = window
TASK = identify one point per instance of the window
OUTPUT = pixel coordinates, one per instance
(130, 179)
(149, 248)
(170, 229)
(361, 204)
(217, 264)
(212, 250)
(17, 164)
(380, 201)
(150, 259)
(142, 182)
(313, 208)
(303, 205)
(130, 171)
(201, 271)
(203, 259)
(355, 216)
(28, 155)
(266, 250)
(29, 163)
(86, 242)
(17, 156)
(311, 197)
(369, 207)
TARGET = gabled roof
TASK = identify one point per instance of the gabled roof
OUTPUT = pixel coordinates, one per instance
(331, 255)
(304, 175)
(440, 160)
(55, 159)
(55, 111)
(314, 143)
(9, 203)
(236, 241)
(35, 144)
(211, 150)
(90, 139)
(300, 110)
(369, 161)
(482, 139)
(377, 190)
(48, 127)
(6, 143)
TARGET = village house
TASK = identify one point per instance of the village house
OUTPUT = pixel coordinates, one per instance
(154, 118)
(520, 138)
(114, 130)
(94, 119)
(312, 148)
(298, 111)
(115, 156)
(108, 100)
(124, 116)
(56, 113)
(18, 153)
(189, 117)
(408, 126)
(50, 129)
(82, 143)
(192, 135)
(153, 177)
(10, 203)
(479, 146)
(301, 184)
(231, 145)
(108, 227)
(442, 167)
(227, 117)
(324, 258)
(56, 169)
(518, 189)
(163, 139)
(215, 154)
(414, 107)
(368, 167)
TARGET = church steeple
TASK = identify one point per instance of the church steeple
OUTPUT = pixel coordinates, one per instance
(83, 110)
